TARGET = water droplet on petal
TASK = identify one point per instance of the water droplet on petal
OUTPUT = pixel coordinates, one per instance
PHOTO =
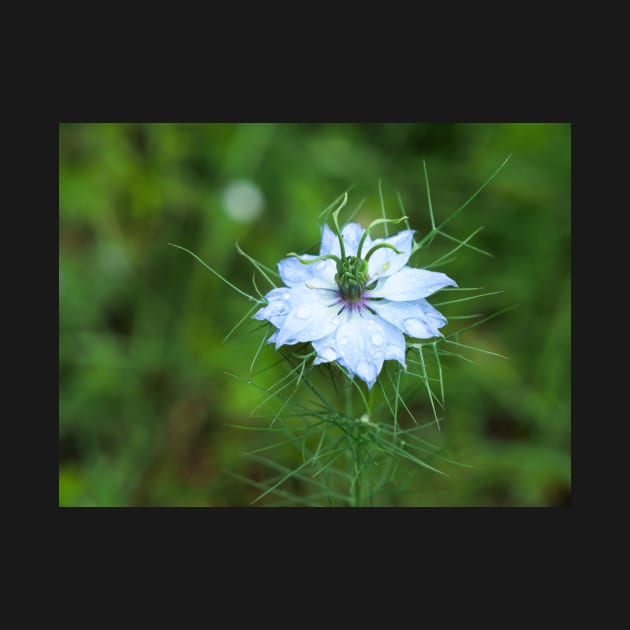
(344, 340)
(303, 312)
(329, 354)
(377, 339)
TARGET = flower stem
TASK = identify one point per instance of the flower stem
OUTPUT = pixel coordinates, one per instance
(348, 400)
(356, 490)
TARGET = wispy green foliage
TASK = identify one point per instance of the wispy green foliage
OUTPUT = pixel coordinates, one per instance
(352, 442)
(146, 333)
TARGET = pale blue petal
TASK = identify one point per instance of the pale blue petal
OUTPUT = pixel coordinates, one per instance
(320, 274)
(313, 315)
(385, 262)
(396, 346)
(351, 234)
(294, 273)
(364, 341)
(329, 241)
(324, 275)
(326, 349)
(432, 314)
(417, 319)
(277, 308)
(411, 284)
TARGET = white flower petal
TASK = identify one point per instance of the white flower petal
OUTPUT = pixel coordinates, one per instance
(432, 314)
(294, 273)
(351, 235)
(411, 284)
(277, 308)
(323, 275)
(386, 262)
(364, 341)
(320, 274)
(326, 349)
(329, 240)
(417, 319)
(396, 346)
(313, 315)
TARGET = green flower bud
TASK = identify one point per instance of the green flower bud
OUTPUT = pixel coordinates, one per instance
(351, 277)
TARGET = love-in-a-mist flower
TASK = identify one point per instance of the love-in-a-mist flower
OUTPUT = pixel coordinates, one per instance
(355, 300)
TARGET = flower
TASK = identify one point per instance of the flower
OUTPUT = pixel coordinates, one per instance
(354, 309)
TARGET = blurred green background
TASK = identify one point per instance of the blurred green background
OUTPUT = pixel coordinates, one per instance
(145, 406)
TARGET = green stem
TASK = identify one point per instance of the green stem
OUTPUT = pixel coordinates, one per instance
(370, 401)
(348, 401)
(380, 246)
(356, 493)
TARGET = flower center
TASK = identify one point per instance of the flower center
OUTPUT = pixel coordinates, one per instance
(352, 277)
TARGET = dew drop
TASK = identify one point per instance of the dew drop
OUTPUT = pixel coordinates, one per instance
(344, 341)
(377, 339)
(303, 312)
(329, 354)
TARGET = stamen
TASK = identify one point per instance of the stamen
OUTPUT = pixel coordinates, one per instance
(314, 260)
(351, 278)
(373, 224)
(335, 217)
(379, 247)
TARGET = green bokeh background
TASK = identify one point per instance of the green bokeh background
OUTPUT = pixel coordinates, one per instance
(145, 406)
